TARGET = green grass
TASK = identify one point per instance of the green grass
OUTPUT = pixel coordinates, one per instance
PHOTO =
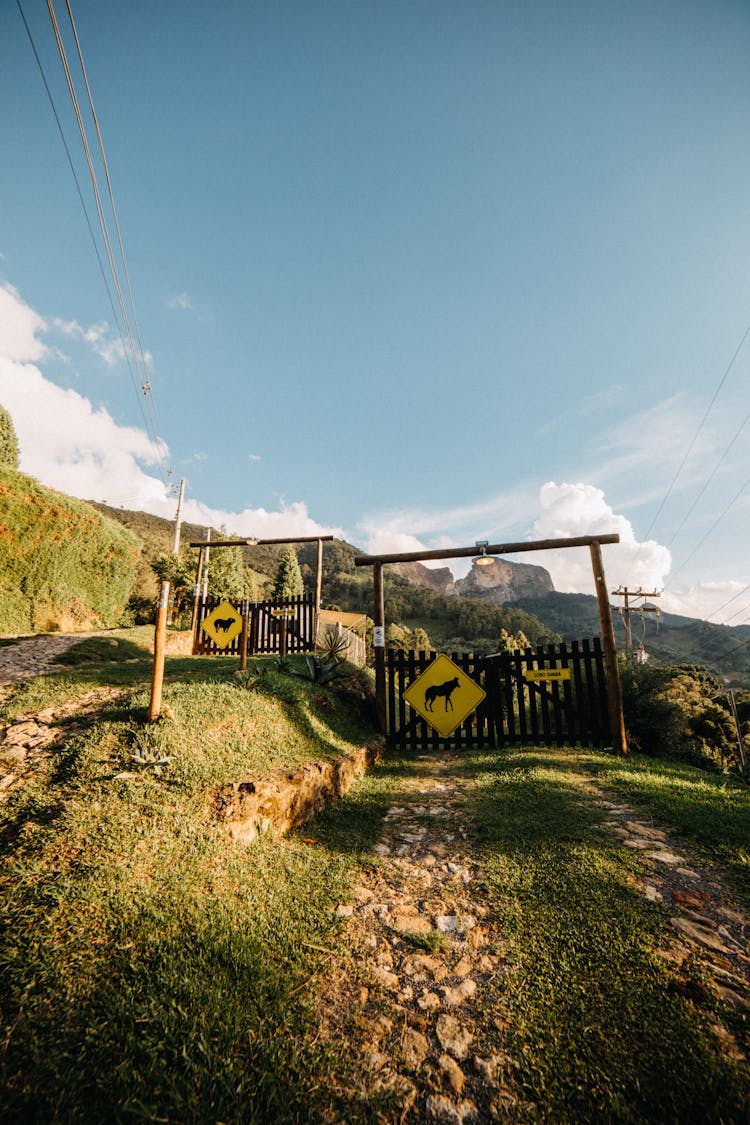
(155, 970)
(596, 1030)
(710, 811)
(152, 968)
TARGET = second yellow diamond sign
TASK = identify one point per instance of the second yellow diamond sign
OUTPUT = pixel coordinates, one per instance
(223, 624)
(444, 695)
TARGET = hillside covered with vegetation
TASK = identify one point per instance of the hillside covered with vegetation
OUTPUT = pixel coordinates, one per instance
(63, 565)
(666, 637)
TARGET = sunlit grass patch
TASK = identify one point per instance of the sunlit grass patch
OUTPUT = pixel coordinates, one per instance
(152, 967)
(710, 810)
(595, 1028)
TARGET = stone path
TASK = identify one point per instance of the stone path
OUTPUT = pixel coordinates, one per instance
(424, 952)
(34, 656)
(24, 740)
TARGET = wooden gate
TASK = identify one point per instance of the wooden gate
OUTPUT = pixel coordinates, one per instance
(265, 628)
(519, 709)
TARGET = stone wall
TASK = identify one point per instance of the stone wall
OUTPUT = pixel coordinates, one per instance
(285, 799)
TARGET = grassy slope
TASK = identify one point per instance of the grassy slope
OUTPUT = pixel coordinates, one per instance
(154, 970)
(62, 564)
(151, 968)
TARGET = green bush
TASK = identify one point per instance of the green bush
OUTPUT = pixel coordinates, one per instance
(677, 712)
(62, 564)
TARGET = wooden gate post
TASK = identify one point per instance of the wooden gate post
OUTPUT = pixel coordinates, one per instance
(243, 636)
(196, 594)
(379, 644)
(614, 688)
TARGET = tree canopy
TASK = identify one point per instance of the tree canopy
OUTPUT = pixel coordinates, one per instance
(9, 455)
(288, 582)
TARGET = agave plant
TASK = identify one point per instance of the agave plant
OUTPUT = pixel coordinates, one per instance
(334, 645)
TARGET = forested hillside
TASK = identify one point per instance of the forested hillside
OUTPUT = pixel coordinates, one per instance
(723, 649)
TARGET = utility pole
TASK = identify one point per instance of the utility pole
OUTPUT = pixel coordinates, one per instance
(206, 554)
(178, 519)
(626, 609)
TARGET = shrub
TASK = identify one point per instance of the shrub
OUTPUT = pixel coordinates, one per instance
(677, 712)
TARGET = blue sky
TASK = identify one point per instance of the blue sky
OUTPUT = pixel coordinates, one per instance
(422, 273)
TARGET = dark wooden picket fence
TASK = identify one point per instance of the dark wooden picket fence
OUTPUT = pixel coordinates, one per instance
(516, 711)
(265, 630)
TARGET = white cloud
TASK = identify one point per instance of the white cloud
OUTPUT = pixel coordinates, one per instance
(292, 519)
(180, 301)
(19, 325)
(254, 457)
(69, 444)
(98, 336)
(571, 510)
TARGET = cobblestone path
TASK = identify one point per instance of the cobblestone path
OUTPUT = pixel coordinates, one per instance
(423, 991)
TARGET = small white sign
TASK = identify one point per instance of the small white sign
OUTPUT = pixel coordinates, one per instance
(378, 636)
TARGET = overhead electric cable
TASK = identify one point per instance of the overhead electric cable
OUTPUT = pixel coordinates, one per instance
(729, 602)
(145, 385)
(696, 435)
(716, 468)
(717, 521)
(744, 609)
(60, 130)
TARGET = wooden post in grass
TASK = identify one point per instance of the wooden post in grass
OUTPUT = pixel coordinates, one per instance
(379, 645)
(243, 636)
(318, 587)
(160, 644)
(196, 594)
(614, 688)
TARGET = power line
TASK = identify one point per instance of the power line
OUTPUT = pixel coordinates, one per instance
(60, 130)
(146, 384)
(134, 357)
(716, 522)
(729, 602)
(697, 433)
(718, 465)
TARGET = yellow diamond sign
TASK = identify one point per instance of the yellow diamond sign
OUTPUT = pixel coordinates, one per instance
(223, 624)
(444, 695)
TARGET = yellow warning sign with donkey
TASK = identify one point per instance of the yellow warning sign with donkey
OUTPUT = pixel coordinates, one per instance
(444, 696)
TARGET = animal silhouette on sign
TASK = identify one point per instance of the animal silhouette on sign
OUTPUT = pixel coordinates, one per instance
(224, 623)
(437, 690)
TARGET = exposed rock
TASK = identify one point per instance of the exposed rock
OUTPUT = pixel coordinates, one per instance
(500, 581)
(428, 1001)
(453, 1037)
(442, 1109)
(385, 978)
(415, 1048)
(285, 799)
(452, 997)
(454, 1076)
(439, 579)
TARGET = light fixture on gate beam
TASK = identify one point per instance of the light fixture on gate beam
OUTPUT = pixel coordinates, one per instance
(482, 559)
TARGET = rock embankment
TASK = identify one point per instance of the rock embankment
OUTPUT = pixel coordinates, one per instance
(285, 799)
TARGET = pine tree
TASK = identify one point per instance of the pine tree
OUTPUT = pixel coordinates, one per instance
(8, 441)
(288, 582)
